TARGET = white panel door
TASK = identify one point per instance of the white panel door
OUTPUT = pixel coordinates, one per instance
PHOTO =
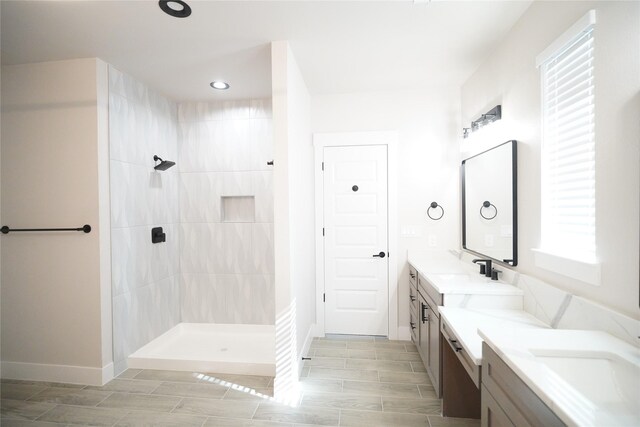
(355, 243)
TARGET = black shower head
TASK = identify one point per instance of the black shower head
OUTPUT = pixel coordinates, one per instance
(164, 164)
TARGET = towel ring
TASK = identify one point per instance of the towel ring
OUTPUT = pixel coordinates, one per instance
(435, 205)
(487, 204)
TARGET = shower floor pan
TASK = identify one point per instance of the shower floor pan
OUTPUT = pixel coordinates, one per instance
(205, 347)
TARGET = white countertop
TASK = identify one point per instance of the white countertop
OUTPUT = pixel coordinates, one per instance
(587, 378)
(449, 275)
(465, 323)
(474, 284)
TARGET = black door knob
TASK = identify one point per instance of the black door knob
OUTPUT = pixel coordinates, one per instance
(380, 255)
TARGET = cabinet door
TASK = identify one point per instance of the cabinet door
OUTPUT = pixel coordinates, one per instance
(423, 321)
(434, 349)
(413, 324)
(492, 413)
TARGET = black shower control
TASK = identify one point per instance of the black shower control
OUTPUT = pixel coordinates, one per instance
(157, 236)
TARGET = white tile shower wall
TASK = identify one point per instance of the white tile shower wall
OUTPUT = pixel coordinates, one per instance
(145, 281)
(226, 267)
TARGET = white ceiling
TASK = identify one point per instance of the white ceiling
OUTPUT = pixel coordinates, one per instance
(340, 46)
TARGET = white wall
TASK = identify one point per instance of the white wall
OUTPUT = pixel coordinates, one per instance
(56, 321)
(146, 289)
(293, 215)
(509, 77)
(226, 261)
(428, 168)
(301, 201)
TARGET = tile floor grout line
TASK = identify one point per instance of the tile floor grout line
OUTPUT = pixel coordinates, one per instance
(109, 395)
(225, 393)
(176, 405)
(159, 385)
(45, 412)
(127, 412)
(255, 411)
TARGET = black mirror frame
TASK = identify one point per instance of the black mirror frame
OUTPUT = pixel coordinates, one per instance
(514, 188)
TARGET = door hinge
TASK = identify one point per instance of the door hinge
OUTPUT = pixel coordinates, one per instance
(324, 297)
(322, 165)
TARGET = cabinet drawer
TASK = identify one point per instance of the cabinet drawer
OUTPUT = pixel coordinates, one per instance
(413, 326)
(433, 296)
(524, 407)
(413, 275)
(472, 369)
(492, 415)
(413, 297)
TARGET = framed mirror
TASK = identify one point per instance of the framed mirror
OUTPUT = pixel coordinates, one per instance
(489, 204)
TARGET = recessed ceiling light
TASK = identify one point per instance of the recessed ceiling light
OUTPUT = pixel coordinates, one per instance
(176, 8)
(218, 84)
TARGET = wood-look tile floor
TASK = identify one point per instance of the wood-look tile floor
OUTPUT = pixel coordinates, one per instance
(349, 381)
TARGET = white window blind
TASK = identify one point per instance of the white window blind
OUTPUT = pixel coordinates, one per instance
(568, 150)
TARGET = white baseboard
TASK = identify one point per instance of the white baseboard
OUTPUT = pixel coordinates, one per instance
(305, 347)
(57, 373)
(404, 333)
(317, 330)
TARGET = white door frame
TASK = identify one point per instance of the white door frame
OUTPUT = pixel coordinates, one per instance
(341, 139)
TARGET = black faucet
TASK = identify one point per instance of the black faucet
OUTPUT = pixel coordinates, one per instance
(485, 268)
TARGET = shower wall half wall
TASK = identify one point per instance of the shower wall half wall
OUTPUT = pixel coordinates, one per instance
(215, 205)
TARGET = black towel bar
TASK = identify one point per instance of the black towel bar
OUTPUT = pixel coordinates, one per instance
(6, 230)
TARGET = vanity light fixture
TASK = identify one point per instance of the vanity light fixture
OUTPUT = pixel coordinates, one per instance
(175, 8)
(489, 117)
(219, 84)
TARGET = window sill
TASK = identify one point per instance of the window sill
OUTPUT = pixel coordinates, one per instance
(588, 272)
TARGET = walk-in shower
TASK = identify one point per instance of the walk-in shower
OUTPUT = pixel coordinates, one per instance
(202, 299)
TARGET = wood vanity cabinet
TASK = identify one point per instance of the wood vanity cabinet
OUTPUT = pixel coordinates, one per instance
(429, 332)
(507, 400)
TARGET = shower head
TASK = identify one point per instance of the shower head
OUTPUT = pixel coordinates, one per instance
(164, 164)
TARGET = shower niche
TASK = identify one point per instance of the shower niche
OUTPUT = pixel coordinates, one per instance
(238, 208)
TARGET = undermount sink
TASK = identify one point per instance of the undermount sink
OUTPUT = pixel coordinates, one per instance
(586, 377)
(461, 278)
(601, 377)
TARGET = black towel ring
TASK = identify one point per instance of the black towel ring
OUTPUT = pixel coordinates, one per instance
(435, 205)
(487, 204)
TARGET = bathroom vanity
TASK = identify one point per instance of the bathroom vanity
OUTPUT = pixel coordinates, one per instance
(445, 282)
(488, 358)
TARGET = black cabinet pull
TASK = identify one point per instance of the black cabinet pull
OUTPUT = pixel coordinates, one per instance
(425, 317)
(454, 345)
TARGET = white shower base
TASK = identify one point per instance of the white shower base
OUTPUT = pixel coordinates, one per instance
(208, 347)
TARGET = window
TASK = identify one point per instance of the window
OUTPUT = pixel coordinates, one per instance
(568, 144)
